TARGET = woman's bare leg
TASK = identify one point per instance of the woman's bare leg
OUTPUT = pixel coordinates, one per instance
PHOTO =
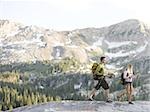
(131, 92)
(128, 92)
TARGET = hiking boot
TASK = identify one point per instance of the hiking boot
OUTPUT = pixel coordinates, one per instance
(118, 98)
(91, 98)
(131, 103)
(108, 100)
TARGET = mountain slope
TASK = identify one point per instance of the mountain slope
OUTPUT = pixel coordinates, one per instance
(19, 43)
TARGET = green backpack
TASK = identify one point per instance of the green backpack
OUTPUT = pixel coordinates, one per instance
(94, 67)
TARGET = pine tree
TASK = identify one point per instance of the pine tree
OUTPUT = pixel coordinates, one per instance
(35, 100)
(17, 101)
(32, 98)
(57, 98)
(4, 108)
(44, 99)
(24, 99)
(29, 102)
(10, 107)
(48, 98)
(21, 100)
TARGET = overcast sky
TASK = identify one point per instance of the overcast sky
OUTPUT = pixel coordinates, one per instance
(73, 14)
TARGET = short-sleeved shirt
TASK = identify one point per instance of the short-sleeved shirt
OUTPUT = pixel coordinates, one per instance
(100, 70)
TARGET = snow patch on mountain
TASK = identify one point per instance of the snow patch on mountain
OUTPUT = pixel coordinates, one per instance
(72, 46)
(55, 44)
(142, 48)
(123, 53)
(24, 43)
(119, 44)
(1, 44)
(111, 66)
(99, 42)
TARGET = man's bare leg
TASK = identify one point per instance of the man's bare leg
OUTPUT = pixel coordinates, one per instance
(92, 94)
(107, 96)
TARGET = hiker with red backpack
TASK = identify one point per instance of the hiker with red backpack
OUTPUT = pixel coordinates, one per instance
(99, 73)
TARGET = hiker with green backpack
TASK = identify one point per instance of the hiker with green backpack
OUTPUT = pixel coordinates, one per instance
(99, 73)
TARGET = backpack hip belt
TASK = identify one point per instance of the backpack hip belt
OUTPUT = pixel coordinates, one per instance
(96, 77)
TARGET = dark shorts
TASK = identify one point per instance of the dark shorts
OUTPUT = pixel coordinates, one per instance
(102, 83)
(127, 83)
